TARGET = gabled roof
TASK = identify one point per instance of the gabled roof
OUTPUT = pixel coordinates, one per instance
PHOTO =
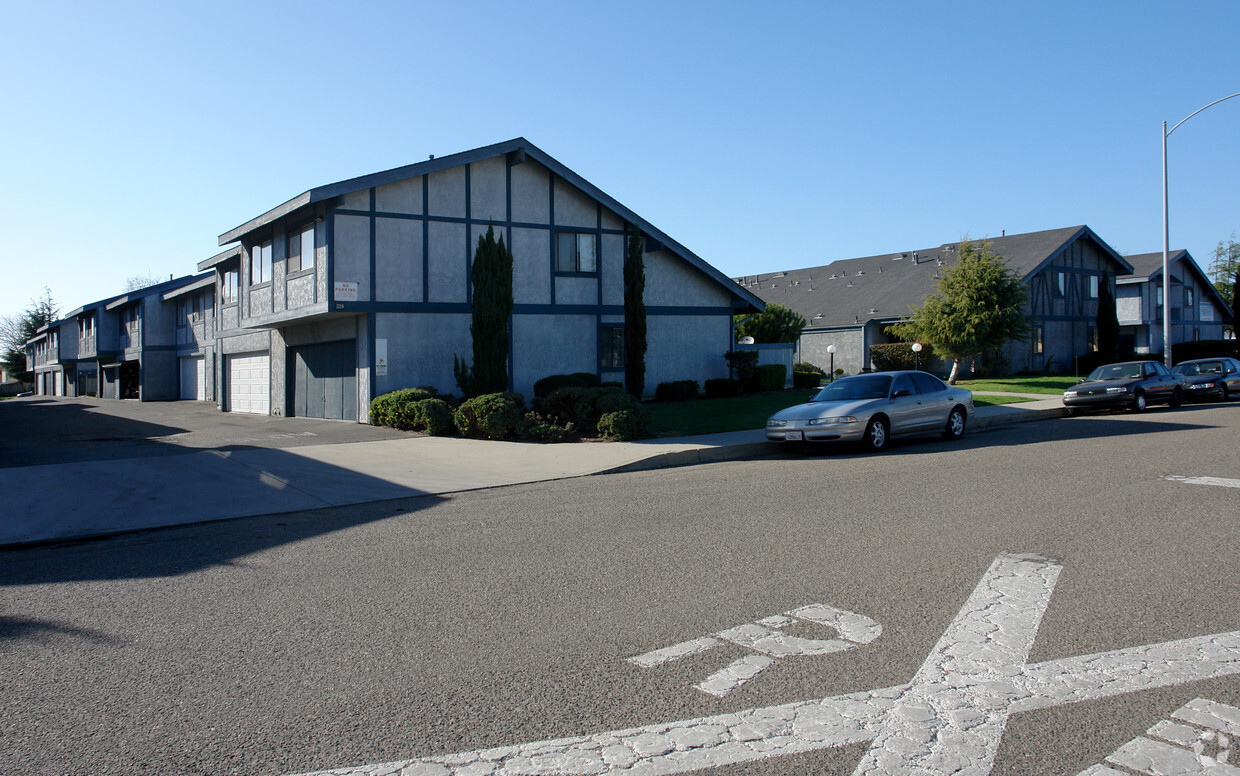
(519, 147)
(158, 288)
(885, 287)
(233, 252)
(1147, 267)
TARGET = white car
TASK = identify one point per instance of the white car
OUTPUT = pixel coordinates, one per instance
(873, 409)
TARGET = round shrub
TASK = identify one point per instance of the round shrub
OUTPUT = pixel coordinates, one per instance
(624, 425)
(395, 409)
(490, 416)
(435, 417)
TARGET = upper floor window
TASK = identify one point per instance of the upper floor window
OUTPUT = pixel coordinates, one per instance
(1061, 283)
(1189, 298)
(228, 289)
(86, 327)
(260, 263)
(576, 252)
(301, 249)
(1092, 287)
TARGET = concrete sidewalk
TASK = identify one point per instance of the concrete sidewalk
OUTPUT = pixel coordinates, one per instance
(95, 498)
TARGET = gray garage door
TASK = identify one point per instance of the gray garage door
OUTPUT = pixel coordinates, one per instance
(324, 380)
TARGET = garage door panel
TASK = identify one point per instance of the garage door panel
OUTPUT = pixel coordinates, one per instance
(249, 383)
(324, 380)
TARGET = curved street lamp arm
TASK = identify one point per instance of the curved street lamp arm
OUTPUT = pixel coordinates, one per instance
(1199, 110)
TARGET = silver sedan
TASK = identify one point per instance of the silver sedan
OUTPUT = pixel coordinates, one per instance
(873, 409)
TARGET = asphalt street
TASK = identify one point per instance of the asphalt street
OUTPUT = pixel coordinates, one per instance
(435, 625)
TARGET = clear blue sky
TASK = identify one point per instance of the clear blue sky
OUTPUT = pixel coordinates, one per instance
(763, 136)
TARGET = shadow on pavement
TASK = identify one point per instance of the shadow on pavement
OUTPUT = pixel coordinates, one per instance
(176, 550)
(38, 432)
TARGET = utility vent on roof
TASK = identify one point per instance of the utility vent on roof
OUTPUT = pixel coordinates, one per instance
(915, 257)
(897, 257)
(873, 310)
(860, 272)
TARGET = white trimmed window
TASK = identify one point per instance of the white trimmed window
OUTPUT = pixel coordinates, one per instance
(260, 263)
(301, 249)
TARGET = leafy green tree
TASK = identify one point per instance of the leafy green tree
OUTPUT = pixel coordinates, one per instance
(491, 276)
(1224, 266)
(1107, 320)
(635, 316)
(16, 330)
(979, 306)
(774, 324)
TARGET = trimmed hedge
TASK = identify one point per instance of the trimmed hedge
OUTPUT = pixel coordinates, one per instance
(545, 386)
(1187, 351)
(805, 375)
(677, 390)
(772, 377)
(722, 388)
(899, 355)
(490, 416)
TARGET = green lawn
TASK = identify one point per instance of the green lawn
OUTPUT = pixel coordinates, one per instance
(715, 416)
(1048, 385)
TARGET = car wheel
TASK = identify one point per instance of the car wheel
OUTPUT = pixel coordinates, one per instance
(1222, 392)
(1138, 402)
(1073, 412)
(876, 433)
(955, 424)
(1176, 400)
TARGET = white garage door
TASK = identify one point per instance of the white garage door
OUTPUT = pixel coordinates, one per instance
(193, 378)
(249, 383)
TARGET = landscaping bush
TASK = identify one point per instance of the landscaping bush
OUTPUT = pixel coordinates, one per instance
(624, 425)
(743, 364)
(396, 409)
(806, 375)
(545, 386)
(772, 377)
(899, 355)
(435, 417)
(582, 407)
(539, 428)
(722, 388)
(490, 416)
(677, 390)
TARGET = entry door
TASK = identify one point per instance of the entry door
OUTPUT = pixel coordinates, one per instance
(193, 378)
(324, 380)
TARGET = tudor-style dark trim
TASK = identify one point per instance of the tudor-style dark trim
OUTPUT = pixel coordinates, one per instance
(462, 308)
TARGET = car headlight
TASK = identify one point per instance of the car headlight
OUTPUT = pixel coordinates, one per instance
(1205, 385)
(1069, 394)
(1121, 389)
(773, 423)
(832, 421)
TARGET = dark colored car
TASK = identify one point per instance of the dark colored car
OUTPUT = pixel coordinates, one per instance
(1210, 378)
(1129, 385)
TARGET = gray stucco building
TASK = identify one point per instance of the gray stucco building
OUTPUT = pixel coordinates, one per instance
(849, 303)
(357, 288)
(1197, 310)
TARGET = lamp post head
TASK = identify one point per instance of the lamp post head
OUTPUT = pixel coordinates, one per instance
(916, 347)
(831, 349)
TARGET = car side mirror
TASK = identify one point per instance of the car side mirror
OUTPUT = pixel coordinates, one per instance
(901, 392)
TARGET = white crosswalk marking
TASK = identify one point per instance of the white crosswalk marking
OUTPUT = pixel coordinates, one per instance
(973, 681)
(1220, 482)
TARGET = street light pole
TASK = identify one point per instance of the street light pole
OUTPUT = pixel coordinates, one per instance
(1166, 270)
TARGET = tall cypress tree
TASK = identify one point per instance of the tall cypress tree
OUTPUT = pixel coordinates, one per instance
(491, 275)
(634, 316)
(1107, 320)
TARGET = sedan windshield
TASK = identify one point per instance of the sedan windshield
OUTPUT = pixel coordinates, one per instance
(855, 388)
(1115, 372)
